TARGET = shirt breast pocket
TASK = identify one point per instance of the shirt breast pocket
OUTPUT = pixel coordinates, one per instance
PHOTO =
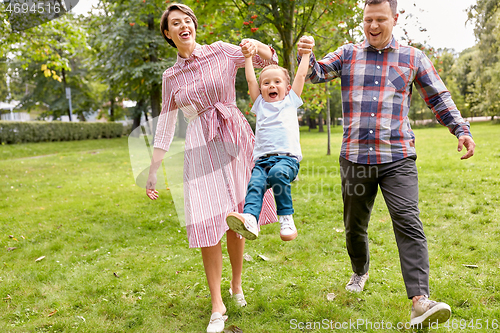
(399, 77)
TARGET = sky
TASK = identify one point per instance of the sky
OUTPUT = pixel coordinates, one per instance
(443, 19)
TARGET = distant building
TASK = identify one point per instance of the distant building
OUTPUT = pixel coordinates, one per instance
(10, 114)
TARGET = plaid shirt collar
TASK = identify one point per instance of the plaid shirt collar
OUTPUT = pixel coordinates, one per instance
(392, 45)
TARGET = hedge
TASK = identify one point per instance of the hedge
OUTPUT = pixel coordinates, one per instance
(38, 131)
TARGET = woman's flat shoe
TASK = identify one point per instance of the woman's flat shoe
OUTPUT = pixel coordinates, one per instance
(216, 324)
(238, 298)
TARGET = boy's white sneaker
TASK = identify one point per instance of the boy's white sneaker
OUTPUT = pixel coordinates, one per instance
(288, 231)
(243, 224)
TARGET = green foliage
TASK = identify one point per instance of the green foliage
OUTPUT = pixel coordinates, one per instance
(282, 23)
(129, 54)
(485, 71)
(47, 59)
(40, 131)
(245, 108)
(53, 44)
(3, 80)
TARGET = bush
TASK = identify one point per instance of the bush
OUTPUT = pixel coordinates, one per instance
(38, 131)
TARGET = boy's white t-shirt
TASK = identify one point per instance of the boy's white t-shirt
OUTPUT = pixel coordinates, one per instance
(277, 128)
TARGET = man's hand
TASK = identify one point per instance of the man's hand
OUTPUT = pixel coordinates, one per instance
(305, 45)
(469, 144)
(248, 48)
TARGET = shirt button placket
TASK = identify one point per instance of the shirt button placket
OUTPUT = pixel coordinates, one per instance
(378, 75)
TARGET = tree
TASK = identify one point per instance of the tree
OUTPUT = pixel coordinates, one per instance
(3, 81)
(129, 53)
(50, 58)
(282, 22)
(486, 65)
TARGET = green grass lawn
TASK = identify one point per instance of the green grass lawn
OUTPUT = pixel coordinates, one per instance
(114, 261)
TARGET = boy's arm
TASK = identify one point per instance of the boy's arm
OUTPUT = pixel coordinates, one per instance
(253, 85)
(300, 76)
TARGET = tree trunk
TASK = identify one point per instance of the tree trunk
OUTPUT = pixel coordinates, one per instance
(320, 123)
(181, 125)
(137, 113)
(328, 120)
(312, 123)
(285, 29)
(112, 107)
(64, 92)
(155, 93)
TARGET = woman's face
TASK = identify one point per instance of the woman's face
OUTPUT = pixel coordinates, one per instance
(181, 29)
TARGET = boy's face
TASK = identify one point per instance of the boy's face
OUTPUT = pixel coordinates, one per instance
(274, 86)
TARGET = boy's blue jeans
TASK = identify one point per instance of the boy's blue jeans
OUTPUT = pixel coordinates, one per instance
(276, 172)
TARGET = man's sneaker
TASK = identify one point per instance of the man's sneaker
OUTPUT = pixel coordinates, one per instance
(288, 231)
(243, 224)
(357, 282)
(426, 312)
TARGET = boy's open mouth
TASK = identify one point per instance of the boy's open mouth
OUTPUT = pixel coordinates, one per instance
(273, 94)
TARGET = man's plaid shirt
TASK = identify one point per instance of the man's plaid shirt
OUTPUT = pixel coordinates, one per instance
(376, 98)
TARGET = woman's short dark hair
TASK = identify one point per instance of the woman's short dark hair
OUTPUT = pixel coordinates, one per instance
(164, 19)
(392, 3)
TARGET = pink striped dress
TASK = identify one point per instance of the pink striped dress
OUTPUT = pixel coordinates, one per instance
(219, 140)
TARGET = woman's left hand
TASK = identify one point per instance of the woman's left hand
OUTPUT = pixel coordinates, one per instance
(248, 47)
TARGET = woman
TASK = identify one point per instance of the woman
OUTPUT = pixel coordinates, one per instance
(218, 147)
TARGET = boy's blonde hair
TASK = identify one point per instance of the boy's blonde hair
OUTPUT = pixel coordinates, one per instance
(287, 76)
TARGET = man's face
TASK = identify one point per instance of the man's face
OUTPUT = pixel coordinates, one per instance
(378, 22)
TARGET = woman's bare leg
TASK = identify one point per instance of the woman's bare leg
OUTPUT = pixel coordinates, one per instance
(212, 261)
(235, 249)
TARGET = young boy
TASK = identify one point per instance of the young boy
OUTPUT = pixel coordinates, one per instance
(277, 147)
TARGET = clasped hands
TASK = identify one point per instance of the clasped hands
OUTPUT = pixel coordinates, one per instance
(249, 46)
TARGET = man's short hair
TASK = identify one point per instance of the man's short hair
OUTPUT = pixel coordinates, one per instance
(287, 76)
(392, 3)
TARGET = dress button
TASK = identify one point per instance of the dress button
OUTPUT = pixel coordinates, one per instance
(379, 52)
(371, 132)
(373, 114)
(374, 98)
(371, 149)
(376, 82)
(378, 67)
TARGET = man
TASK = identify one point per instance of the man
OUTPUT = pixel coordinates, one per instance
(378, 147)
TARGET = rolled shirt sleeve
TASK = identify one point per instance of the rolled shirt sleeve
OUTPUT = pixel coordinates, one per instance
(438, 98)
(326, 69)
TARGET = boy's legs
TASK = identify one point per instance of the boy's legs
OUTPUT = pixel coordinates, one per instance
(280, 175)
(246, 224)
(256, 189)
